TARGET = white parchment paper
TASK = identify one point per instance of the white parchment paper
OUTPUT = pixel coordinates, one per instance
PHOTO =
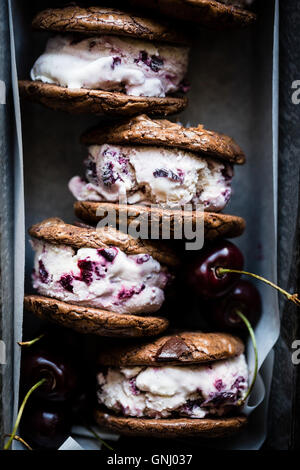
(234, 76)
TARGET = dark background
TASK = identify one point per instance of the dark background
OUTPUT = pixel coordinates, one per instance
(284, 412)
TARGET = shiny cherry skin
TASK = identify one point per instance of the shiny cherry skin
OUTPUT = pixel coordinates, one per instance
(243, 297)
(202, 273)
(45, 425)
(58, 370)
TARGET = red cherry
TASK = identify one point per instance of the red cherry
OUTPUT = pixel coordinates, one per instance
(45, 426)
(202, 274)
(245, 298)
(58, 370)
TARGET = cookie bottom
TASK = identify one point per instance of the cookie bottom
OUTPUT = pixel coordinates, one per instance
(95, 321)
(216, 225)
(170, 428)
(85, 101)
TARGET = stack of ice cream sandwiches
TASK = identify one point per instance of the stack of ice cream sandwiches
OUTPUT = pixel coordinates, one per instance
(104, 281)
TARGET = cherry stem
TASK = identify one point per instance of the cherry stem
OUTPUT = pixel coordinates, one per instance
(99, 439)
(18, 438)
(292, 297)
(13, 434)
(252, 336)
(30, 343)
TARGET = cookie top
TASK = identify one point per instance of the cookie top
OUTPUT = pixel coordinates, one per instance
(56, 231)
(142, 130)
(100, 20)
(88, 320)
(209, 13)
(178, 348)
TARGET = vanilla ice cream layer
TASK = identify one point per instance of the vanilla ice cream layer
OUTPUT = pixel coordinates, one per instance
(102, 278)
(159, 392)
(112, 63)
(153, 175)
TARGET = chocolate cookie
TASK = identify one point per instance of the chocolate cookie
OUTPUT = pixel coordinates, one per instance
(99, 20)
(56, 231)
(179, 348)
(93, 320)
(210, 13)
(141, 130)
(215, 225)
(175, 428)
(84, 101)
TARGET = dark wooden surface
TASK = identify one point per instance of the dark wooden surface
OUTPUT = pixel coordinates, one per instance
(284, 412)
(6, 224)
(284, 415)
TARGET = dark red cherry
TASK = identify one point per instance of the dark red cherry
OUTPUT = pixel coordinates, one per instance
(245, 298)
(58, 370)
(45, 425)
(202, 273)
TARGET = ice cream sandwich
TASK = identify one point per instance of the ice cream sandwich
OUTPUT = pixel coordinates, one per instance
(217, 14)
(105, 61)
(99, 281)
(158, 167)
(187, 384)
